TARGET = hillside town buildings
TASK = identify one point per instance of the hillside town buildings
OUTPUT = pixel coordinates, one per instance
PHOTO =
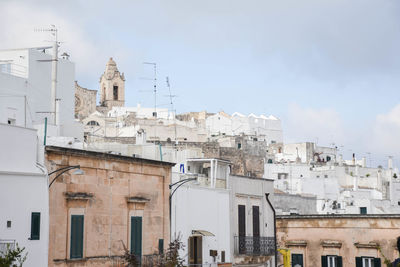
(339, 186)
(96, 177)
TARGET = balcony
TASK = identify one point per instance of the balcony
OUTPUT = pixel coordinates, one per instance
(6, 244)
(254, 246)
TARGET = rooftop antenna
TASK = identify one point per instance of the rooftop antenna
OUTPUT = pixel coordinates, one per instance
(171, 96)
(154, 86)
(54, 59)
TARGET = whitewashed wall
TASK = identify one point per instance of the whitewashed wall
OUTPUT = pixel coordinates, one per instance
(23, 190)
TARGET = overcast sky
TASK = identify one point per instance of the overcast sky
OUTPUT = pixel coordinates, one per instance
(329, 69)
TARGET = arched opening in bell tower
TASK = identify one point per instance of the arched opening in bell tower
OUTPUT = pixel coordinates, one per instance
(115, 92)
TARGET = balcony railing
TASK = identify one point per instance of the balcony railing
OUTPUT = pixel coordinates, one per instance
(254, 245)
(6, 244)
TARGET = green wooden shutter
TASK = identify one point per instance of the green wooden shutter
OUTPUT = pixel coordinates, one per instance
(377, 262)
(359, 262)
(136, 236)
(161, 246)
(76, 250)
(339, 261)
(324, 261)
(35, 226)
(297, 259)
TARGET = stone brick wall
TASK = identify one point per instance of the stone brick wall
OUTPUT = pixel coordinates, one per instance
(108, 182)
(85, 101)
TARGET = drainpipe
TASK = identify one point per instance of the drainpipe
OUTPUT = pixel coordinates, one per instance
(273, 211)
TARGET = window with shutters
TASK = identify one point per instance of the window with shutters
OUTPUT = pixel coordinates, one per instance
(76, 250)
(363, 210)
(136, 236)
(256, 229)
(242, 228)
(35, 226)
(368, 262)
(160, 246)
(332, 261)
(297, 260)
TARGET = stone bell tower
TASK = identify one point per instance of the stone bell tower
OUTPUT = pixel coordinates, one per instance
(112, 86)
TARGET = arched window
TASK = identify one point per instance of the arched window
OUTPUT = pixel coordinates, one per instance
(115, 92)
(93, 123)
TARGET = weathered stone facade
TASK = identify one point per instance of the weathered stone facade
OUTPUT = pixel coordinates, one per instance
(85, 101)
(112, 86)
(345, 236)
(112, 189)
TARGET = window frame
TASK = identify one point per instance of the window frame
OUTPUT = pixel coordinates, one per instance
(35, 231)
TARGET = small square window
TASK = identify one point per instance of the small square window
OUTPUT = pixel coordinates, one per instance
(326, 176)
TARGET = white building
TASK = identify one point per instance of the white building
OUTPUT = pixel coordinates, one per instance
(340, 186)
(23, 194)
(252, 220)
(237, 124)
(200, 212)
(25, 92)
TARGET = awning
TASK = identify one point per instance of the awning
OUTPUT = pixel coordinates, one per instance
(202, 233)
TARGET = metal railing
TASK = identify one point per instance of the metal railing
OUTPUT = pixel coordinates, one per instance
(254, 245)
(6, 244)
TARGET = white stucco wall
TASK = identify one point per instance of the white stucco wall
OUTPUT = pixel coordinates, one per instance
(36, 85)
(199, 208)
(23, 190)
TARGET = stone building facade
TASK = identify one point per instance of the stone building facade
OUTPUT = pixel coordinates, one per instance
(118, 201)
(112, 86)
(85, 101)
(112, 93)
(339, 240)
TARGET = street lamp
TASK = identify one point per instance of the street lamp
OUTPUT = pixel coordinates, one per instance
(179, 183)
(65, 169)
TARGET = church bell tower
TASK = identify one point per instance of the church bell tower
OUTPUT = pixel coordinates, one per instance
(112, 86)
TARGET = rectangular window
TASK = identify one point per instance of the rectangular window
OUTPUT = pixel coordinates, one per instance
(76, 250)
(297, 260)
(35, 226)
(222, 256)
(368, 262)
(160, 246)
(242, 228)
(256, 229)
(332, 261)
(115, 92)
(136, 236)
(363, 210)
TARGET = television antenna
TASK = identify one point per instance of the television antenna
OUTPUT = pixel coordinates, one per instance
(53, 31)
(171, 96)
(154, 86)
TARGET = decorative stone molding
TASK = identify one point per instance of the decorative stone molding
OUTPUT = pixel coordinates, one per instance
(372, 245)
(331, 244)
(137, 199)
(78, 196)
(296, 243)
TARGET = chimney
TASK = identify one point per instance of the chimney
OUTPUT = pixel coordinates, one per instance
(354, 159)
(364, 162)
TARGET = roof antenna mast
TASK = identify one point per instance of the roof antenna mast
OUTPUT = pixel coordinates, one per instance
(154, 86)
(53, 31)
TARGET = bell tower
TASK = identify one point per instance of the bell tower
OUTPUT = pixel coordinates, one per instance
(112, 86)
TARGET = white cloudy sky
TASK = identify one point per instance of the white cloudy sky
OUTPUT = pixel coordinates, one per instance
(329, 69)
